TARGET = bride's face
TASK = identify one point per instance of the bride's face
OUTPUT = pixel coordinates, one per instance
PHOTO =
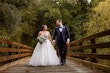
(45, 28)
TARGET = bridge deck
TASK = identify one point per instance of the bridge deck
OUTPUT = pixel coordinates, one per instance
(70, 67)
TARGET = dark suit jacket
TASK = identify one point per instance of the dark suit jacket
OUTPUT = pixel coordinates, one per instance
(65, 34)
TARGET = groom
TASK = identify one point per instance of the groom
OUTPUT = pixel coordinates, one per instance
(63, 38)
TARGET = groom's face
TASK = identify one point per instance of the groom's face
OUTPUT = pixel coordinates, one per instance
(59, 23)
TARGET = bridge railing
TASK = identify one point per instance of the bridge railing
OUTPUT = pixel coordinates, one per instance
(78, 47)
(11, 51)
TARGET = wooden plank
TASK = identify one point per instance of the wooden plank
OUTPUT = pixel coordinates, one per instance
(14, 50)
(91, 64)
(92, 46)
(11, 64)
(5, 58)
(20, 45)
(97, 35)
(14, 44)
(92, 55)
(70, 67)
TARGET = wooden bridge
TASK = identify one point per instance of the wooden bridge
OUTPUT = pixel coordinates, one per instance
(14, 57)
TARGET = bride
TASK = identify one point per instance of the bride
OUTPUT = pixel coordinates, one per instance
(44, 53)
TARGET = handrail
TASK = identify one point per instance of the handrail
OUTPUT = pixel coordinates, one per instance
(94, 36)
(77, 47)
(12, 51)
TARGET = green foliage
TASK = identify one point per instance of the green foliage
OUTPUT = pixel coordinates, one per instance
(4, 35)
(18, 3)
(100, 19)
(22, 19)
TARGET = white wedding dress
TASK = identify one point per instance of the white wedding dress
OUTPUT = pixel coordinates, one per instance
(44, 55)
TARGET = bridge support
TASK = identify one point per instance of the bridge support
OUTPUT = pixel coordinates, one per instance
(93, 51)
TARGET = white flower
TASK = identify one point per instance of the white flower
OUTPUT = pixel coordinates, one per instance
(42, 38)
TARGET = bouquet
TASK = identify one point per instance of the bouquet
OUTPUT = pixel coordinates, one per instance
(42, 38)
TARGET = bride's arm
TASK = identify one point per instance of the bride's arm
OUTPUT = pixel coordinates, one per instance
(39, 33)
(50, 38)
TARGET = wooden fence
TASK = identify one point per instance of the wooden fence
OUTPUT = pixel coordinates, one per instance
(11, 51)
(78, 47)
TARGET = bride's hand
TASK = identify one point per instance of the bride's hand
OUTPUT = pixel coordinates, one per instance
(53, 43)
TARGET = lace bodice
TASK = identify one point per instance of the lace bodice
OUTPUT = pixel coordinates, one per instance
(45, 34)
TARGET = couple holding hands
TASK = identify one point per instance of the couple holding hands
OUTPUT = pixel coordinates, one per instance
(44, 53)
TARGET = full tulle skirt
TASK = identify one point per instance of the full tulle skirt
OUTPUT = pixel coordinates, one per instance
(44, 55)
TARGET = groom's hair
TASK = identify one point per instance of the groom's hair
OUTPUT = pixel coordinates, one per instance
(59, 20)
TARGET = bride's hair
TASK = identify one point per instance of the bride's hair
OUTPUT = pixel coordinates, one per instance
(43, 26)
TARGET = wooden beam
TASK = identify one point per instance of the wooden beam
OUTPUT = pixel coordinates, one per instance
(92, 46)
(14, 50)
(105, 68)
(15, 44)
(8, 65)
(92, 55)
(97, 35)
(5, 58)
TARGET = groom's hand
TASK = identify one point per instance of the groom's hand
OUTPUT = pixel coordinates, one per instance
(67, 42)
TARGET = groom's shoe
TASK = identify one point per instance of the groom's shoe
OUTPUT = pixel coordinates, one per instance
(63, 63)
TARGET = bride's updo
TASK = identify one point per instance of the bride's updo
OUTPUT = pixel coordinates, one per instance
(44, 27)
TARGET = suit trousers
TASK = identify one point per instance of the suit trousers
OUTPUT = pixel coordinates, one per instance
(63, 51)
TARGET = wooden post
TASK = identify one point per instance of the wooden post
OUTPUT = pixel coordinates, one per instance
(0, 62)
(93, 51)
(17, 47)
(10, 53)
(9, 47)
(21, 48)
(81, 50)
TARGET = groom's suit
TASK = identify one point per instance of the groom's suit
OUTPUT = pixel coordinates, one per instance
(63, 35)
